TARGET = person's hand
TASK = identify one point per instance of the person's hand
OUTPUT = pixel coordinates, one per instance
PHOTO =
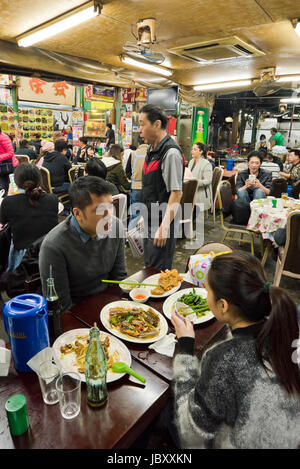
(160, 237)
(82, 152)
(248, 183)
(183, 327)
(257, 184)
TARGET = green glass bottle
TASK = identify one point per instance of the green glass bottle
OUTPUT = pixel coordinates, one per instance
(95, 370)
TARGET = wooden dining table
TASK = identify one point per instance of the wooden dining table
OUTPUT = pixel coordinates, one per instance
(131, 407)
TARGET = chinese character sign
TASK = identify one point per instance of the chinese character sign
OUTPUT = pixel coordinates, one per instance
(37, 90)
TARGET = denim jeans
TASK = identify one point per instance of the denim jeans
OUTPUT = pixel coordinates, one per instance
(134, 211)
(247, 196)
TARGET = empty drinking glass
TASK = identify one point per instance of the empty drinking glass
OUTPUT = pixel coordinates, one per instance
(68, 387)
(48, 373)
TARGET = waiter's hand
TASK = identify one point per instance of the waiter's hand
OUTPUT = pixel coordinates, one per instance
(160, 237)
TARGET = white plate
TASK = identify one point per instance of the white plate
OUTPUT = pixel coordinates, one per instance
(154, 279)
(104, 316)
(169, 304)
(68, 361)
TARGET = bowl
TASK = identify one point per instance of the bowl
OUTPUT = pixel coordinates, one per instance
(126, 288)
(140, 295)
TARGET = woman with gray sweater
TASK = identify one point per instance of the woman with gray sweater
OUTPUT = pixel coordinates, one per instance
(245, 392)
(201, 169)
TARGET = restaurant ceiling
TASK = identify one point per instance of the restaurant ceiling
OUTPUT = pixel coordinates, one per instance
(263, 24)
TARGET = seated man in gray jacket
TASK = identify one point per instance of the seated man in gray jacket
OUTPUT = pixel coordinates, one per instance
(86, 247)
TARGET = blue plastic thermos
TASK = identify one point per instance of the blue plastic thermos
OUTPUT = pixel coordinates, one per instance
(229, 165)
(26, 324)
(289, 190)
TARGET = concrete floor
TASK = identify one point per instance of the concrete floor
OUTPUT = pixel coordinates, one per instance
(212, 232)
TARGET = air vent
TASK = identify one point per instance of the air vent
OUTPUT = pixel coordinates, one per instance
(217, 50)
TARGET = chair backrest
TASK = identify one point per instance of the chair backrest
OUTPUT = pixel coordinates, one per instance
(279, 185)
(46, 181)
(23, 158)
(120, 202)
(216, 179)
(208, 247)
(291, 254)
(188, 198)
(296, 190)
(75, 172)
(224, 197)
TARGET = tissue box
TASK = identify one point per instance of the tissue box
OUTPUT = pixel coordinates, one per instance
(5, 357)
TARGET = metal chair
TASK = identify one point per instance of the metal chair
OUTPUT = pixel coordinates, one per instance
(75, 172)
(187, 204)
(120, 203)
(46, 185)
(225, 200)
(288, 262)
(216, 179)
(279, 185)
(23, 158)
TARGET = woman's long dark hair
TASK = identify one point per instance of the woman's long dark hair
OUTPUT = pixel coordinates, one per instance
(28, 177)
(239, 278)
(202, 148)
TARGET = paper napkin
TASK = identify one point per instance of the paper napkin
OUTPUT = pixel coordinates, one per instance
(165, 346)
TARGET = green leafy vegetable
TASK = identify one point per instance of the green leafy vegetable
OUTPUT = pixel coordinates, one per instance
(195, 302)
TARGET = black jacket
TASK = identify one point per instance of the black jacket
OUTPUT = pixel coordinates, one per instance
(58, 166)
(264, 177)
(27, 151)
(77, 158)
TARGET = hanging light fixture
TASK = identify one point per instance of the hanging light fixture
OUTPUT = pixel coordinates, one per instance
(61, 23)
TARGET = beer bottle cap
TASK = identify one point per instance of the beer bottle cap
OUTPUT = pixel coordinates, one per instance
(16, 412)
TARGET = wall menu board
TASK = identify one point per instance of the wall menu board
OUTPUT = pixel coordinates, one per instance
(35, 120)
(7, 119)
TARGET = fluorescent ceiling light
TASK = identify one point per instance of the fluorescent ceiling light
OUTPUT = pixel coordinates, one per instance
(150, 68)
(288, 78)
(221, 85)
(290, 100)
(61, 23)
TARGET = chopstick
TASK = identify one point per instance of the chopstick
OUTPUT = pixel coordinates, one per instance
(130, 283)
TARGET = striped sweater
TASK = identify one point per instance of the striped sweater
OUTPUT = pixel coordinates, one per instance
(228, 401)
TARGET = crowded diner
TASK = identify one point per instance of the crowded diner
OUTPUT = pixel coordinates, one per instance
(149, 227)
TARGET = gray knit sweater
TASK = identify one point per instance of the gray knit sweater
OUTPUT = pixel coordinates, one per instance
(228, 401)
(79, 263)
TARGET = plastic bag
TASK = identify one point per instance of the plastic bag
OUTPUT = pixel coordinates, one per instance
(135, 239)
(199, 265)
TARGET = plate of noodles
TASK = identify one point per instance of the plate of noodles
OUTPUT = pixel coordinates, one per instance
(70, 348)
(168, 281)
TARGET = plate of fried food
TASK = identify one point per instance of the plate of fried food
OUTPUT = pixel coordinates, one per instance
(70, 348)
(134, 322)
(168, 281)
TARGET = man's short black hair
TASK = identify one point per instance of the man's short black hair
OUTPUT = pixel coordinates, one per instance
(109, 126)
(96, 167)
(84, 140)
(37, 135)
(296, 151)
(155, 113)
(60, 145)
(255, 153)
(24, 143)
(82, 188)
(274, 130)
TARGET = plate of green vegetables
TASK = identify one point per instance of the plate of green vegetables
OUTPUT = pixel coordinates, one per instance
(195, 299)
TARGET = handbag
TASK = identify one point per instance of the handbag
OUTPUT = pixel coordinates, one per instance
(6, 167)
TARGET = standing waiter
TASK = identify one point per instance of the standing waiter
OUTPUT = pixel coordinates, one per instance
(162, 181)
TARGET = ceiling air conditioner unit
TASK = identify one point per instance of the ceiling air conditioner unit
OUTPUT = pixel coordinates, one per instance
(217, 50)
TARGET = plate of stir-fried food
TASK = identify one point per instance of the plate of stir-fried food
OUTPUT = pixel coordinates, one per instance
(168, 281)
(70, 348)
(196, 309)
(134, 322)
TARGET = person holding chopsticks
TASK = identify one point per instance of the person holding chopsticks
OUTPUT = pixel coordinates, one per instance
(245, 393)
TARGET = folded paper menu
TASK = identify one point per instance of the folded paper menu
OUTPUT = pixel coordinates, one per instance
(165, 346)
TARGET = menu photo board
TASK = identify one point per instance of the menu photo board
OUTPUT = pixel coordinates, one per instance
(7, 119)
(35, 120)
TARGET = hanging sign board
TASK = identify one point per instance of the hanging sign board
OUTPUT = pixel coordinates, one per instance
(36, 90)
